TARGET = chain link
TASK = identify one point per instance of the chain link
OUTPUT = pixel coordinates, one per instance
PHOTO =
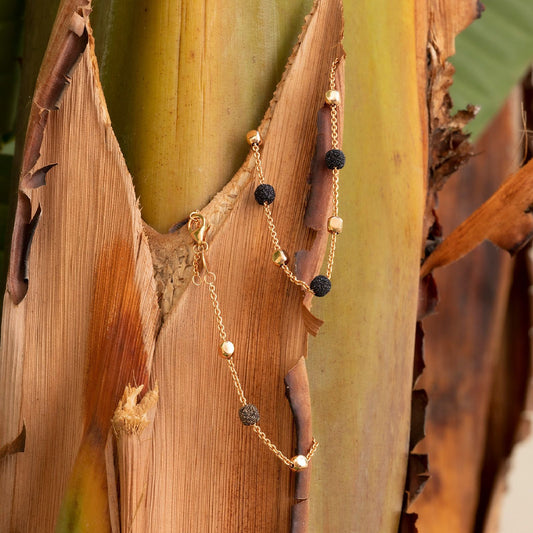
(236, 381)
(334, 127)
(335, 171)
(312, 451)
(295, 280)
(216, 308)
(258, 163)
(333, 239)
(331, 255)
(271, 227)
(271, 446)
(332, 73)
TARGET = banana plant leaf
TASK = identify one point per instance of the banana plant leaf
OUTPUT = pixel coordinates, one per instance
(492, 55)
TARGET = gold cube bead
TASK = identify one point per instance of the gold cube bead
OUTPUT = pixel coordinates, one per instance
(227, 349)
(253, 137)
(299, 462)
(335, 224)
(279, 257)
(333, 97)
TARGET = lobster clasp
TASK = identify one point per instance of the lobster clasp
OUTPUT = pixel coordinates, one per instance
(197, 227)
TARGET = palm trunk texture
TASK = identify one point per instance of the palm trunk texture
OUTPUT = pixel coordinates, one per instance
(117, 414)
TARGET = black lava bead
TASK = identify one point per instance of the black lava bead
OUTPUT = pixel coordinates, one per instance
(320, 285)
(335, 159)
(249, 414)
(265, 193)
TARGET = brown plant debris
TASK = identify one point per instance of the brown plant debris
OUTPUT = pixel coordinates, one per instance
(505, 219)
(427, 297)
(131, 415)
(449, 147)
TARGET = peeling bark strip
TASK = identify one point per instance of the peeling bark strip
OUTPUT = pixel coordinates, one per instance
(67, 42)
(23, 231)
(64, 51)
(319, 204)
(297, 391)
(408, 523)
(38, 178)
(16, 446)
(419, 363)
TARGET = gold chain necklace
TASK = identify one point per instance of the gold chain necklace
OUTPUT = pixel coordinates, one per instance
(319, 286)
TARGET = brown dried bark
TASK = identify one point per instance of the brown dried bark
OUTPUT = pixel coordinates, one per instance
(86, 321)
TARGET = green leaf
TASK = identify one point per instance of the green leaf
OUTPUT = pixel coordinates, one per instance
(492, 55)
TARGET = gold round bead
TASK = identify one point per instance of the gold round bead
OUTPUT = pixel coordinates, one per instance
(279, 257)
(335, 224)
(253, 137)
(333, 97)
(227, 349)
(299, 462)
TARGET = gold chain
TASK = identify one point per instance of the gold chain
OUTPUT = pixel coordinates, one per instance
(198, 228)
(295, 280)
(332, 73)
(255, 140)
(335, 171)
(272, 228)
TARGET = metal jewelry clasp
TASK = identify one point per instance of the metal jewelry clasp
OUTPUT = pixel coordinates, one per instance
(197, 227)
